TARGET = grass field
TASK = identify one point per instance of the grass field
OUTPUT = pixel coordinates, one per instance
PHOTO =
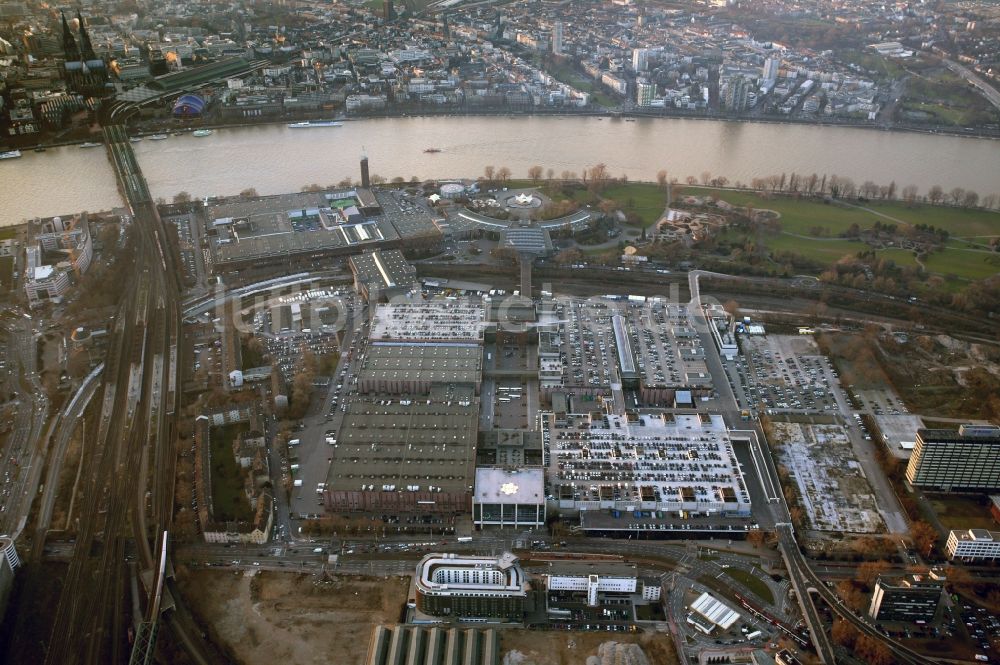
(757, 586)
(823, 250)
(644, 199)
(964, 264)
(228, 500)
(962, 512)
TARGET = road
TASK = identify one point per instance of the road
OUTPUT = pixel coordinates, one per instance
(23, 456)
(989, 92)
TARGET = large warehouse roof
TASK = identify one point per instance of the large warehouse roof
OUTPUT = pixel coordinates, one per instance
(715, 611)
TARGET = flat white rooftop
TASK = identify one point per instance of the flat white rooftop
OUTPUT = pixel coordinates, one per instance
(715, 611)
(525, 486)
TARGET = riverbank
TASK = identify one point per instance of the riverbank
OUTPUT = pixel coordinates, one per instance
(151, 127)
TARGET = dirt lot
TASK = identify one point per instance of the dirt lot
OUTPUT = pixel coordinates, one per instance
(561, 647)
(272, 618)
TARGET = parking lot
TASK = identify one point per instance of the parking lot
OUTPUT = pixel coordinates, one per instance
(588, 344)
(786, 373)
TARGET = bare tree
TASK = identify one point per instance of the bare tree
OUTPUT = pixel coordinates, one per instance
(956, 194)
(182, 197)
(661, 178)
(910, 194)
(971, 199)
(535, 173)
(599, 176)
(935, 194)
(378, 180)
(503, 173)
(489, 172)
(811, 183)
(550, 174)
(990, 201)
(249, 193)
(705, 177)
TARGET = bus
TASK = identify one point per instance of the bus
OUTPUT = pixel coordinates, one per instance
(464, 539)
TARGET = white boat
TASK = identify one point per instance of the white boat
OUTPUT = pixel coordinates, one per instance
(314, 123)
(158, 137)
(202, 132)
(10, 154)
(91, 144)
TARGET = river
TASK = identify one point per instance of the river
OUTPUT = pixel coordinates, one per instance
(275, 158)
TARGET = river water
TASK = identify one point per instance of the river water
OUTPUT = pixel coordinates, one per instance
(275, 158)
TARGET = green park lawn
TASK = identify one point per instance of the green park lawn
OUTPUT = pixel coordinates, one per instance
(647, 200)
(803, 215)
(823, 250)
(228, 499)
(964, 264)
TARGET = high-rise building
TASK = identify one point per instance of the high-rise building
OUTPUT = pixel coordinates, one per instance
(644, 92)
(736, 94)
(557, 38)
(640, 59)
(365, 179)
(914, 598)
(771, 69)
(388, 10)
(956, 461)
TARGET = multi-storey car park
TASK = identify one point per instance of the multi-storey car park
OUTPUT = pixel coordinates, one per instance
(646, 344)
(684, 464)
(429, 322)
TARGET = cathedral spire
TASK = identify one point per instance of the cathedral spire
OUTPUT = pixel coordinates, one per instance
(70, 51)
(86, 48)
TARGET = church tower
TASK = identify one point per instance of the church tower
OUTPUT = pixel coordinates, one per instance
(70, 51)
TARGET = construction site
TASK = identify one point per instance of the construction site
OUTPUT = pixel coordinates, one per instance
(832, 487)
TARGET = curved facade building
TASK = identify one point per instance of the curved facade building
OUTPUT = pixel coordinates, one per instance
(449, 585)
(189, 106)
